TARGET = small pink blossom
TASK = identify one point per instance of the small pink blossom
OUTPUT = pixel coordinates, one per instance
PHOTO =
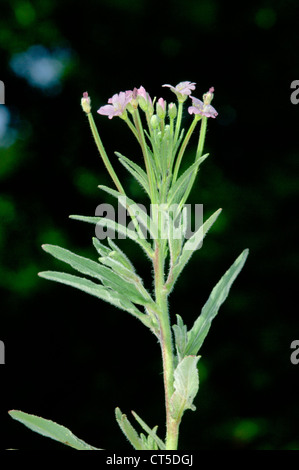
(142, 92)
(182, 90)
(117, 104)
(198, 107)
(145, 100)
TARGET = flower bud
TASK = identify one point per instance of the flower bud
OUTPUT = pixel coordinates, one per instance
(172, 110)
(154, 121)
(144, 100)
(161, 108)
(85, 103)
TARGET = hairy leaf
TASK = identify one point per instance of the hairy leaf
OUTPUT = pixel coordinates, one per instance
(96, 290)
(151, 432)
(218, 295)
(128, 430)
(190, 246)
(134, 209)
(186, 385)
(181, 338)
(108, 277)
(124, 232)
(50, 429)
(135, 170)
(178, 189)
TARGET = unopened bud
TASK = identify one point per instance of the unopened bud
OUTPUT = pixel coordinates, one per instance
(172, 110)
(154, 121)
(85, 103)
(161, 108)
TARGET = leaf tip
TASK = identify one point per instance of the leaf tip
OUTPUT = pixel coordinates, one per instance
(45, 246)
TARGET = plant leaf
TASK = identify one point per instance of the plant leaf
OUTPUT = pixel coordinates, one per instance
(108, 277)
(96, 290)
(135, 170)
(175, 236)
(218, 295)
(50, 429)
(178, 189)
(181, 338)
(134, 210)
(120, 256)
(191, 245)
(128, 430)
(151, 432)
(123, 231)
(186, 385)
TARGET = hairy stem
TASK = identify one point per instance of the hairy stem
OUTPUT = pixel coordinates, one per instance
(183, 148)
(166, 344)
(103, 153)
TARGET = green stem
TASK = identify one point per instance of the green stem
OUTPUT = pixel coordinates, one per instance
(132, 127)
(166, 345)
(183, 147)
(148, 165)
(199, 151)
(178, 122)
(202, 135)
(103, 153)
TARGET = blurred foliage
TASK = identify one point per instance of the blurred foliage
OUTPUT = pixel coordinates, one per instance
(73, 359)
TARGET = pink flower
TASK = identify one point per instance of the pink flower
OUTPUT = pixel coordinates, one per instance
(142, 92)
(117, 104)
(182, 90)
(145, 100)
(198, 107)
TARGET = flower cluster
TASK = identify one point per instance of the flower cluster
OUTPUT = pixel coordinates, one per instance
(125, 101)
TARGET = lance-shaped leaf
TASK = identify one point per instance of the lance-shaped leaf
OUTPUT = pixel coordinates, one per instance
(120, 256)
(97, 290)
(135, 210)
(102, 249)
(181, 337)
(190, 246)
(124, 232)
(176, 235)
(151, 432)
(135, 170)
(123, 268)
(186, 383)
(128, 430)
(108, 277)
(50, 429)
(218, 295)
(178, 189)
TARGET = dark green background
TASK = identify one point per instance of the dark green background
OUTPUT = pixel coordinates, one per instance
(72, 358)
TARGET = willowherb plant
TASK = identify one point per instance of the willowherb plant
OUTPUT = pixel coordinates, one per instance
(163, 236)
